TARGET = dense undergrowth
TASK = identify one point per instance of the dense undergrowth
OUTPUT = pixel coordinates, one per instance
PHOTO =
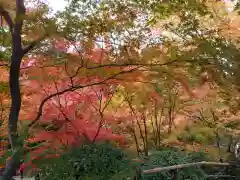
(103, 161)
(90, 162)
(106, 161)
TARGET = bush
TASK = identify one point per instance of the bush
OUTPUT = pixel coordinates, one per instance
(190, 138)
(198, 138)
(90, 162)
(201, 135)
(168, 157)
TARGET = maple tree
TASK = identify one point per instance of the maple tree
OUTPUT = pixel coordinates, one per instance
(158, 108)
(22, 46)
(71, 66)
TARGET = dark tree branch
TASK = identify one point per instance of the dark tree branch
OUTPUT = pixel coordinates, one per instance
(132, 64)
(109, 66)
(7, 18)
(101, 113)
(73, 88)
(30, 47)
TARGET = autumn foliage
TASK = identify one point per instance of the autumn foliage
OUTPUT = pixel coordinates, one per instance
(72, 112)
(65, 107)
(119, 72)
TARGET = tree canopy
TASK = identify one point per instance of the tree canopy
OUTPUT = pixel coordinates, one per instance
(112, 70)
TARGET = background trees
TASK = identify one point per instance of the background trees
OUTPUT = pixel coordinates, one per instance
(131, 72)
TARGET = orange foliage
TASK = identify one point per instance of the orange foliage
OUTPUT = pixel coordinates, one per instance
(69, 118)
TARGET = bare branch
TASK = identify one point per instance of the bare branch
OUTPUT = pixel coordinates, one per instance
(220, 176)
(132, 64)
(101, 113)
(180, 166)
(106, 65)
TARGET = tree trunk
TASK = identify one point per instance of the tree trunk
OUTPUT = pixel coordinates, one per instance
(17, 54)
(16, 99)
(14, 85)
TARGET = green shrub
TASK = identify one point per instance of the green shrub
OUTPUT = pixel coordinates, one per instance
(168, 157)
(199, 138)
(89, 162)
(183, 137)
(201, 135)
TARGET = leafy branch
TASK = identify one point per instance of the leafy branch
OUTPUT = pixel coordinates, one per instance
(71, 89)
